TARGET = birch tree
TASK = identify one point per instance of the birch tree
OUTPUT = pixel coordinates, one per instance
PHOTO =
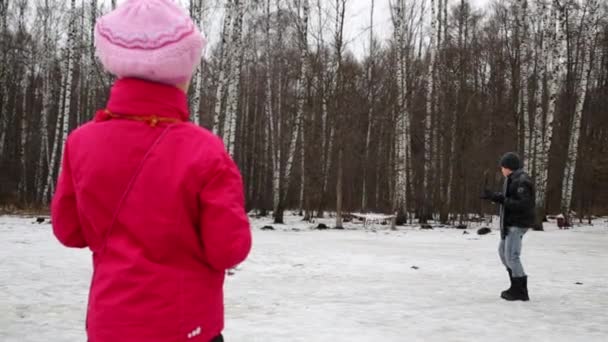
(91, 76)
(61, 131)
(429, 115)
(354, 127)
(402, 147)
(236, 58)
(553, 53)
(522, 33)
(370, 103)
(302, 25)
(337, 86)
(272, 142)
(541, 60)
(26, 56)
(47, 56)
(3, 74)
(225, 65)
(196, 12)
(589, 27)
(327, 130)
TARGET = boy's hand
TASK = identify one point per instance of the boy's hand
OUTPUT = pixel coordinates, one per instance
(487, 194)
(492, 196)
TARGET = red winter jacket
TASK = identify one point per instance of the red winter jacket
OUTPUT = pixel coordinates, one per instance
(160, 204)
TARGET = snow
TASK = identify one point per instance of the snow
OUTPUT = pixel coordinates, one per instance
(350, 285)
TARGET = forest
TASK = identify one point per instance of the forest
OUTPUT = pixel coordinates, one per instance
(414, 127)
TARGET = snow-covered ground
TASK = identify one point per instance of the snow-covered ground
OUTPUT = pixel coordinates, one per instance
(351, 285)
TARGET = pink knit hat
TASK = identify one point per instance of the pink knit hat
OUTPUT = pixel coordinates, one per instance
(149, 39)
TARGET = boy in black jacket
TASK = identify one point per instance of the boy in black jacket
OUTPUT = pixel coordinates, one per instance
(517, 215)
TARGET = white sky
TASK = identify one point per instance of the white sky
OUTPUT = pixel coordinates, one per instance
(357, 22)
(355, 28)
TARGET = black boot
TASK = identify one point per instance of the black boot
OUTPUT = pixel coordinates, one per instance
(519, 291)
(525, 288)
(502, 294)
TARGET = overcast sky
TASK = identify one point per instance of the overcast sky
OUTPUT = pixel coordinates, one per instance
(355, 27)
(357, 22)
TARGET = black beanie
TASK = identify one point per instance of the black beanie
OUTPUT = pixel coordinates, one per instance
(511, 161)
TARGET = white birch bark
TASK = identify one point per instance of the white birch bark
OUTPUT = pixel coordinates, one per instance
(445, 20)
(439, 21)
(522, 29)
(70, 76)
(590, 30)
(301, 91)
(62, 131)
(302, 167)
(23, 134)
(338, 47)
(272, 143)
(225, 65)
(429, 111)
(553, 53)
(197, 80)
(541, 60)
(92, 76)
(401, 144)
(326, 129)
(43, 159)
(234, 77)
(370, 111)
(24, 139)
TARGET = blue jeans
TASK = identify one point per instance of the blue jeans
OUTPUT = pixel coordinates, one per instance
(509, 250)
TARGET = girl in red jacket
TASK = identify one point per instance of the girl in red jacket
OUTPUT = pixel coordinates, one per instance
(157, 199)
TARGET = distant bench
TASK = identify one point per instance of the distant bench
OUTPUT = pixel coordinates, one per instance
(371, 219)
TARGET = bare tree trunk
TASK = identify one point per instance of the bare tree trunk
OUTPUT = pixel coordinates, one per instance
(21, 34)
(553, 52)
(339, 45)
(196, 13)
(420, 25)
(301, 91)
(24, 141)
(43, 159)
(541, 60)
(327, 139)
(439, 21)
(61, 132)
(234, 79)
(590, 32)
(445, 20)
(402, 137)
(522, 29)
(4, 121)
(370, 112)
(339, 191)
(273, 141)
(225, 66)
(3, 77)
(428, 118)
(70, 76)
(302, 168)
(452, 165)
(91, 78)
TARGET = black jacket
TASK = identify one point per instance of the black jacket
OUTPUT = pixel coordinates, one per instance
(518, 202)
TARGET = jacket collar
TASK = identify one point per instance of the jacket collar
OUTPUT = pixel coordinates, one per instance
(131, 96)
(516, 173)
